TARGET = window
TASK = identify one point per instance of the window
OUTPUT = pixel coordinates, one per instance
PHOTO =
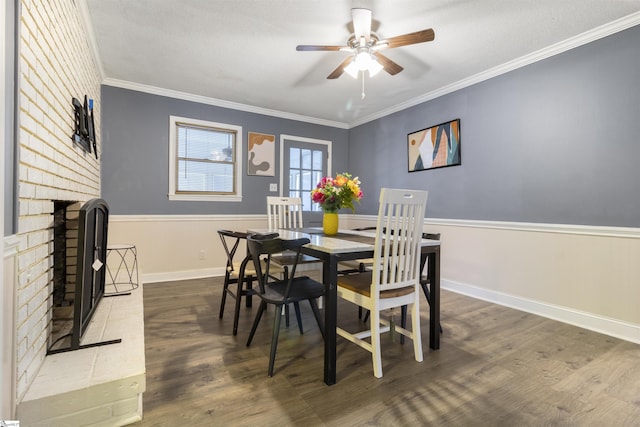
(306, 168)
(205, 160)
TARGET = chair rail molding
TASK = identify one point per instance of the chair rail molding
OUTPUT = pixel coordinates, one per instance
(587, 230)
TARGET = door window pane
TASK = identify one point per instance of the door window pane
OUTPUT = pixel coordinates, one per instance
(305, 171)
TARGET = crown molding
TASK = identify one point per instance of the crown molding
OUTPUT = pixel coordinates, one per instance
(547, 52)
(154, 90)
(88, 29)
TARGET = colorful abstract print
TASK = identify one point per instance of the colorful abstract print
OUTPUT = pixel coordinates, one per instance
(435, 147)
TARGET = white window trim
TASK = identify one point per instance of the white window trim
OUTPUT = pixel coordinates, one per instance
(301, 139)
(172, 161)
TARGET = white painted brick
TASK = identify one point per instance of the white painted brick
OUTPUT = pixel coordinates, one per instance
(34, 78)
(28, 55)
(29, 94)
(27, 123)
(34, 176)
(26, 190)
(26, 259)
(43, 192)
(22, 314)
(34, 337)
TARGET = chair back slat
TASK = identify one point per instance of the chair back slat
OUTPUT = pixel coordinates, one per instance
(398, 239)
(230, 241)
(284, 212)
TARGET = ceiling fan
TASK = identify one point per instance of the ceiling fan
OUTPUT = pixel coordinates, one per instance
(365, 46)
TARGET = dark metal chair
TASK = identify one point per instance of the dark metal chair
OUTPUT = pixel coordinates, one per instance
(240, 273)
(279, 292)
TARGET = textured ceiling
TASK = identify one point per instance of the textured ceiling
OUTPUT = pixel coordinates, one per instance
(244, 51)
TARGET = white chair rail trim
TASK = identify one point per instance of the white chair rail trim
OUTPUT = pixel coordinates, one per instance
(588, 230)
(185, 217)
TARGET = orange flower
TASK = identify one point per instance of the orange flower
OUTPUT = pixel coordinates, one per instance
(340, 180)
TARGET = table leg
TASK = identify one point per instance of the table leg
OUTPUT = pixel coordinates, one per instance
(329, 278)
(434, 280)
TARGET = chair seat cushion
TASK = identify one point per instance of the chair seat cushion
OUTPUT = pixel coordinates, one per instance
(250, 270)
(302, 288)
(361, 283)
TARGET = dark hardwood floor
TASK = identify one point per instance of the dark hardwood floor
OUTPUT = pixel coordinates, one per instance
(496, 367)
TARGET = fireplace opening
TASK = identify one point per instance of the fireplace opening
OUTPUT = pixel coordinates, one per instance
(65, 249)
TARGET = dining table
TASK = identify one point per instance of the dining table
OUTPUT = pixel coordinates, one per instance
(351, 245)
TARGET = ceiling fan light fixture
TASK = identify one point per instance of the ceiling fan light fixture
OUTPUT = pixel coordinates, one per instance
(375, 67)
(352, 69)
(363, 60)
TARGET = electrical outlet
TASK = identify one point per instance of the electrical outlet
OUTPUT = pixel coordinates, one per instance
(273, 187)
(201, 254)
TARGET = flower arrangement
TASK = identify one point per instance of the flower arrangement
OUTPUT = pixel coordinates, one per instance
(339, 192)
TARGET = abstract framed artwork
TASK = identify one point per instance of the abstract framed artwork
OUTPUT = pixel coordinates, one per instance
(261, 154)
(434, 147)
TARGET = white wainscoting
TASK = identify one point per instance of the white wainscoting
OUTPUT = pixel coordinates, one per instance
(587, 276)
(8, 329)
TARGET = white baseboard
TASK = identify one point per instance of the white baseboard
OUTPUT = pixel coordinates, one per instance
(172, 276)
(612, 327)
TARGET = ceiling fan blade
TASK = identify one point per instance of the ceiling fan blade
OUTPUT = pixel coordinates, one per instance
(338, 71)
(389, 66)
(411, 38)
(306, 47)
(361, 23)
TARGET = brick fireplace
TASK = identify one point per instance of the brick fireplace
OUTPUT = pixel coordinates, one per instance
(56, 63)
(54, 67)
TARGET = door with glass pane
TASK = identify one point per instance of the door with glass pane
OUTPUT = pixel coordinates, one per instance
(304, 164)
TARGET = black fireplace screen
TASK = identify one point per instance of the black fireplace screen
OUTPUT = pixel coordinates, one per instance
(93, 222)
(90, 271)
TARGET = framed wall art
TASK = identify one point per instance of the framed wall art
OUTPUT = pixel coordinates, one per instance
(434, 147)
(261, 154)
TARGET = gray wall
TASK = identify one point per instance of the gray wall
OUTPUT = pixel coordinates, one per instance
(135, 152)
(552, 142)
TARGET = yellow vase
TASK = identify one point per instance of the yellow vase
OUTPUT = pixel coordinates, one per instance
(330, 223)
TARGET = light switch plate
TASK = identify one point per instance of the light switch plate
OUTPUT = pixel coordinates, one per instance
(273, 187)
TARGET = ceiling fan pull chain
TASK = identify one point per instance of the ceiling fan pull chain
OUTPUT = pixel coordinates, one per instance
(363, 94)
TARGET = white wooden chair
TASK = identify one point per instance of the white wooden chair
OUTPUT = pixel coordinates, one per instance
(286, 212)
(397, 280)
